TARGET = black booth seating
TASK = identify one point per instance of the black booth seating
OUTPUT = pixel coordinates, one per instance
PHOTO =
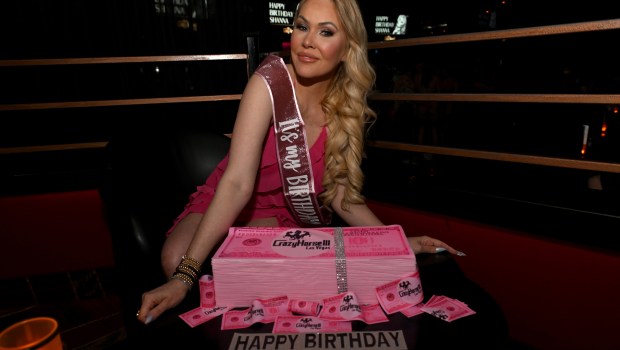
(146, 181)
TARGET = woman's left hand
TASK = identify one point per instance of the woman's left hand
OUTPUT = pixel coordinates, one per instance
(426, 244)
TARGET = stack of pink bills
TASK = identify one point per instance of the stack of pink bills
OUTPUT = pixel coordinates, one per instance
(309, 264)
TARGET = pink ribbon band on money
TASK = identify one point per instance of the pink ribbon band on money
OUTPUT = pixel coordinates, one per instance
(341, 261)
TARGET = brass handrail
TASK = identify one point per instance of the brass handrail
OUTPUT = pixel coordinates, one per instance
(128, 59)
(500, 156)
(488, 97)
(123, 102)
(571, 28)
(602, 25)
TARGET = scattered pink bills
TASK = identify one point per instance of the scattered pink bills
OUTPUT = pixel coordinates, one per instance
(303, 307)
(207, 291)
(309, 324)
(201, 315)
(413, 310)
(207, 309)
(346, 307)
(264, 311)
(401, 293)
(446, 308)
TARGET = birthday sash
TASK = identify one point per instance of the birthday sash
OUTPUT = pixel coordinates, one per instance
(292, 148)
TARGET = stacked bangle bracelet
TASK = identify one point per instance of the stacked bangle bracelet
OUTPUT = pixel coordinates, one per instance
(187, 271)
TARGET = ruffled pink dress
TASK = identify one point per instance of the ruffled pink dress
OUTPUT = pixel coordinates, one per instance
(268, 199)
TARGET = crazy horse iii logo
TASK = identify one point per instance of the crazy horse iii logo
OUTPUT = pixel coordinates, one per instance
(299, 238)
(306, 322)
(300, 243)
(440, 314)
(258, 313)
(347, 306)
(405, 289)
(297, 235)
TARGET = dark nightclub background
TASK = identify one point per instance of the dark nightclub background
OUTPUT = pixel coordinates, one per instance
(571, 63)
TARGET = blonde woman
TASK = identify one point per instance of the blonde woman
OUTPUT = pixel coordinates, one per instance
(401, 25)
(329, 77)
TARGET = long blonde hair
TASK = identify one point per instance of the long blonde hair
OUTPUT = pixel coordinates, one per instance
(347, 111)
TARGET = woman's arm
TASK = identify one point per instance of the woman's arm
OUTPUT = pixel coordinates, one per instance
(237, 183)
(357, 214)
(232, 193)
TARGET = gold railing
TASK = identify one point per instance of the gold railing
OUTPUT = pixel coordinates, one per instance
(593, 26)
(604, 99)
(109, 103)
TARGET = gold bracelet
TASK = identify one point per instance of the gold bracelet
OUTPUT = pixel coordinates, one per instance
(188, 271)
(190, 276)
(183, 278)
(191, 261)
(189, 267)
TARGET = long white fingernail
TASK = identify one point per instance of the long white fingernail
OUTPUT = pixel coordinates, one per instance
(148, 320)
(440, 249)
(461, 254)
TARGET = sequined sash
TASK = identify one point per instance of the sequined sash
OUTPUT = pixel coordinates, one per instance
(292, 147)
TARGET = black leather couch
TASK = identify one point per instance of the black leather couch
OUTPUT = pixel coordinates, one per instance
(147, 178)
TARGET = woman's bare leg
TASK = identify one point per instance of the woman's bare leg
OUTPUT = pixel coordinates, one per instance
(263, 222)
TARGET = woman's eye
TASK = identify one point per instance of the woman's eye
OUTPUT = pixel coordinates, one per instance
(326, 32)
(301, 27)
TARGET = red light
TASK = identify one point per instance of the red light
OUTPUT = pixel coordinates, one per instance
(584, 144)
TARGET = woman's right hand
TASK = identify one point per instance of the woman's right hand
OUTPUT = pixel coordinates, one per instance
(160, 299)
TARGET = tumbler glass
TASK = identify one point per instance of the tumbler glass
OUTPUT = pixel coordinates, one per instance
(39, 333)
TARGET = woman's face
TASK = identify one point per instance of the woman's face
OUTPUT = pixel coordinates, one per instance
(318, 42)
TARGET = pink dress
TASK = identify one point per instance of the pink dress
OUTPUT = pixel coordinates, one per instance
(268, 199)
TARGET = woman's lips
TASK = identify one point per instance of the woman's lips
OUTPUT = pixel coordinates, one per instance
(306, 58)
